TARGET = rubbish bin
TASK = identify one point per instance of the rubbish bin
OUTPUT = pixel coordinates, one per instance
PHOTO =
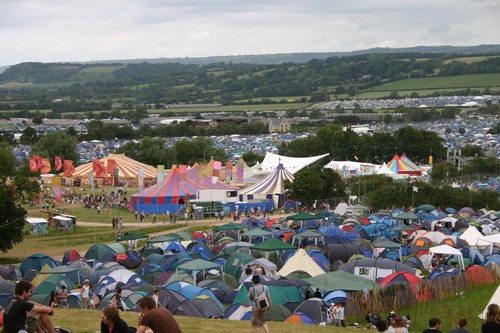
(198, 213)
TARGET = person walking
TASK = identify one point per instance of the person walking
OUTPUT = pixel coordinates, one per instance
(84, 293)
(257, 294)
(158, 319)
(22, 314)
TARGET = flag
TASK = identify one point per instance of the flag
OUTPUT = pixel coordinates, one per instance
(160, 174)
(239, 171)
(69, 168)
(39, 163)
(33, 165)
(116, 184)
(229, 171)
(45, 166)
(140, 181)
(415, 189)
(201, 175)
(216, 171)
(110, 167)
(98, 168)
(182, 174)
(57, 188)
(90, 174)
(58, 163)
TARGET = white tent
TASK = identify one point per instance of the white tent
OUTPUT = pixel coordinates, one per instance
(292, 164)
(495, 299)
(491, 240)
(272, 184)
(384, 170)
(473, 237)
(446, 249)
(341, 208)
(301, 261)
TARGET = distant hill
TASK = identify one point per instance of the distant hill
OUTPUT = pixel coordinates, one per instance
(303, 57)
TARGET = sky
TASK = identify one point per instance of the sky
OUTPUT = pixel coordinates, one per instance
(91, 30)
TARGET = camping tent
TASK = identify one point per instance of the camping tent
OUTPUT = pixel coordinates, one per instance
(127, 168)
(448, 250)
(301, 261)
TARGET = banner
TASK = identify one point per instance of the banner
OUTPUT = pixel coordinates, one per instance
(229, 171)
(216, 171)
(90, 175)
(239, 171)
(33, 165)
(57, 188)
(45, 166)
(182, 174)
(140, 181)
(209, 168)
(39, 163)
(58, 163)
(110, 167)
(160, 174)
(69, 168)
(98, 168)
(201, 176)
(116, 184)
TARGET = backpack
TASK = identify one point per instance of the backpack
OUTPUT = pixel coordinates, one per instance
(261, 299)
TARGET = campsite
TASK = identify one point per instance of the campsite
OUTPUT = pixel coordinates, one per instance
(201, 265)
(196, 236)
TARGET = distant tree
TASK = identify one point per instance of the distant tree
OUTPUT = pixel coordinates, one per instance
(461, 131)
(54, 144)
(315, 183)
(251, 158)
(29, 136)
(472, 151)
(72, 132)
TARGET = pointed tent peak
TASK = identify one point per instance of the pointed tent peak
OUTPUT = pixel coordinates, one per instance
(396, 157)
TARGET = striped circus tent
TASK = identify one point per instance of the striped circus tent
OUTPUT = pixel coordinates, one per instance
(175, 191)
(272, 184)
(127, 168)
(403, 166)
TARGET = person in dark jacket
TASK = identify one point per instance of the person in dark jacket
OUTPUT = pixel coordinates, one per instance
(111, 321)
(492, 323)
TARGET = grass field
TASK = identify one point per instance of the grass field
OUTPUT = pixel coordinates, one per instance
(444, 82)
(468, 305)
(469, 60)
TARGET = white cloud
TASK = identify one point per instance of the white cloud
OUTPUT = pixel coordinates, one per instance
(66, 30)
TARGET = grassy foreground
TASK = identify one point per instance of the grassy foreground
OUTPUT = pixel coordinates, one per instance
(468, 305)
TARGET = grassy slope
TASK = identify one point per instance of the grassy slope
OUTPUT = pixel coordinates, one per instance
(470, 305)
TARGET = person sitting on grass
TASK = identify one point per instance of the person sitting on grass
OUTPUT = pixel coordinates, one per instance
(111, 321)
(22, 314)
(462, 322)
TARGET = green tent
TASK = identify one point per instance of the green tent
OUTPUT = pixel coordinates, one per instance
(198, 265)
(425, 207)
(280, 295)
(308, 233)
(97, 251)
(184, 234)
(230, 226)
(62, 270)
(236, 263)
(406, 216)
(340, 280)
(133, 236)
(163, 238)
(302, 216)
(272, 244)
(258, 233)
(388, 245)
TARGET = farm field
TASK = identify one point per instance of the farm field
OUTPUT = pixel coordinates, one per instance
(456, 82)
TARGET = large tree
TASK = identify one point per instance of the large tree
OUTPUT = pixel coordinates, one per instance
(56, 144)
(15, 187)
(315, 184)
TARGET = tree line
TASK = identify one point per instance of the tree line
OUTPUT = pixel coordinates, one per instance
(225, 83)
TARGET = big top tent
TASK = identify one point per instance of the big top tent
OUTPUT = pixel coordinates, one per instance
(292, 164)
(272, 184)
(128, 168)
(403, 166)
(175, 191)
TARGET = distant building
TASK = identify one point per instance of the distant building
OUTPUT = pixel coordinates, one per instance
(279, 125)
